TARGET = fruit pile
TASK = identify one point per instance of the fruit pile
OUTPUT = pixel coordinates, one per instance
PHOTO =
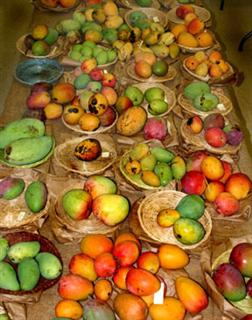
(58, 3)
(205, 65)
(155, 167)
(216, 131)
(99, 197)
(233, 278)
(214, 179)
(41, 39)
(124, 271)
(23, 265)
(191, 33)
(145, 70)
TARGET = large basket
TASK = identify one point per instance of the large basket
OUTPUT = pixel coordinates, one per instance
(152, 14)
(224, 107)
(59, 9)
(64, 155)
(153, 204)
(45, 246)
(202, 13)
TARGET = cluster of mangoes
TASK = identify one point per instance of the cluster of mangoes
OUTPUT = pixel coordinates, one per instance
(58, 3)
(184, 217)
(123, 263)
(41, 39)
(31, 264)
(155, 166)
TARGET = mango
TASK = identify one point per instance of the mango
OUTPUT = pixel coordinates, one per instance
(98, 185)
(24, 128)
(36, 196)
(139, 151)
(40, 48)
(11, 188)
(191, 206)
(191, 294)
(206, 102)
(22, 250)
(131, 121)
(160, 50)
(4, 247)
(196, 88)
(164, 172)
(172, 257)
(109, 35)
(28, 274)
(111, 208)
(52, 36)
(113, 22)
(50, 266)
(63, 92)
(8, 277)
(134, 94)
(229, 282)
(171, 309)
(81, 81)
(157, 106)
(178, 167)
(188, 231)
(150, 178)
(148, 162)
(77, 204)
(241, 258)
(128, 306)
(154, 93)
(162, 154)
(83, 265)
(68, 25)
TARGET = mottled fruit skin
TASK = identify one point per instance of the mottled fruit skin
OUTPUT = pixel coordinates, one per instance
(142, 282)
(193, 163)
(22, 250)
(241, 258)
(126, 253)
(38, 100)
(98, 185)
(88, 150)
(77, 204)
(108, 117)
(155, 128)
(11, 188)
(105, 265)
(82, 265)
(229, 282)
(226, 204)
(196, 124)
(63, 92)
(50, 266)
(149, 261)
(194, 182)
(215, 137)
(36, 196)
(213, 189)
(215, 120)
(128, 307)
(191, 206)
(191, 294)
(239, 185)
(188, 231)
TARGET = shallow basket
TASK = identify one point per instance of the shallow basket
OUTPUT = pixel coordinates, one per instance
(58, 9)
(45, 246)
(170, 97)
(55, 50)
(224, 107)
(171, 74)
(187, 49)
(153, 204)
(131, 4)
(202, 13)
(198, 141)
(64, 155)
(152, 14)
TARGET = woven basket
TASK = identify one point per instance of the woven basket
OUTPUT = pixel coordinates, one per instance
(199, 142)
(224, 107)
(152, 14)
(131, 4)
(170, 97)
(45, 246)
(171, 74)
(64, 156)
(55, 50)
(187, 49)
(136, 180)
(202, 13)
(59, 9)
(153, 204)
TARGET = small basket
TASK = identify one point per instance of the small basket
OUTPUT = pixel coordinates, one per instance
(170, 97)
(171, 74)
(59, 9)
(131, 4)
(202, 13)
(64, 156)
(152, 14)
(45, 246)
(55, 50)
(153, 204)
(198, 141)
(224, 107)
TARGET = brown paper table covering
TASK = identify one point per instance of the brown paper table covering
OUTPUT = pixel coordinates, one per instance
(14, 109)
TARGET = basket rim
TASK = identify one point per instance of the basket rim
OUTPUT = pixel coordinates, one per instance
(57, 9)
(131, 4)
(198, 11)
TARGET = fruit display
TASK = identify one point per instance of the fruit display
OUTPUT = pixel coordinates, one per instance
(201, 99)
(58, 5)
(214, 132)
(121, 279)
(151, 166)
(208, 66)
(134, 4)
(186, 11)
(31, 264)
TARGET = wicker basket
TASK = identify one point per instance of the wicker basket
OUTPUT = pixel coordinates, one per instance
(152, 14)
(131, 4)
(59, 9)
(187, 49)
(55, 50)
(153, 204)
(170, 97)
(198, 141)
(224, 107)
(45, 246)
(171, 74)
(202, 13)
(64, 156)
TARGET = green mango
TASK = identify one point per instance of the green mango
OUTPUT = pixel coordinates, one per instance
(178, 167)
(206, 102)
(90, 25)
(8, 277)
(79, 16)
(188, 231)
(82, 81)
(24, 128)
(196, 88)
(162, 154)
(4, 317)
(11, 188)
(148, 162)
(154, 93)
(68, 25)
(164, 172)
(158, 106)
(191, 206)
(52, 36)
(144, 3)
(4, 247)
(28, 150)
(20, 250)
(36, 196)
(109, 35)
(49, 265)
(139, 151)
(28, 274)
